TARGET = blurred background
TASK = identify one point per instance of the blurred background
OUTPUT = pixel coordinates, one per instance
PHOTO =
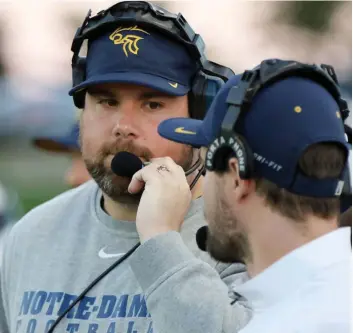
(35, 70)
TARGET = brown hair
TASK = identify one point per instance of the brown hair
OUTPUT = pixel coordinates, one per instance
(346, 218)
(322, 160)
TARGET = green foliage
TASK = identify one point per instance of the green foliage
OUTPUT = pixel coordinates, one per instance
(310, 15)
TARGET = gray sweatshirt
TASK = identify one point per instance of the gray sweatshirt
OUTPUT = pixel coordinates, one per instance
(55, 251)
(182, 292)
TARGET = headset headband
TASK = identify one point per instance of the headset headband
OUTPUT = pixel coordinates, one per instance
(147, 14)
(270, 71)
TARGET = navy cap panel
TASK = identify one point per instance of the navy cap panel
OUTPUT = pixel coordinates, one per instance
(130, 51)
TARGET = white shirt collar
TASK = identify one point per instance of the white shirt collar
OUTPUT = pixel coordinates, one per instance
(295, 268)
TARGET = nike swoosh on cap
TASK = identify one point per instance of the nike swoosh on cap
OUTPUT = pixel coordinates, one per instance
(174, 85)
(183, 131)
(102, 254)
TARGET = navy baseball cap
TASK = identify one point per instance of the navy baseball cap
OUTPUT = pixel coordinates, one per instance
(141, 56)
(65, 143)
(284, 119)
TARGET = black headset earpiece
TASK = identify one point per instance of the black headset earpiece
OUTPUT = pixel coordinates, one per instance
(227, 146)
(204, 89)
(229, 140)
(79, 71)
(197, 104)
(78, 76)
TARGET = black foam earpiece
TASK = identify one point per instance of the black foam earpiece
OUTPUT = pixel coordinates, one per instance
(227, 146)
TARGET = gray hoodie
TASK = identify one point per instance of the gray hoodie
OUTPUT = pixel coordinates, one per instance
(58, 248)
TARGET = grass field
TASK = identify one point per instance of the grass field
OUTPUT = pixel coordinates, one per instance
(33, 176)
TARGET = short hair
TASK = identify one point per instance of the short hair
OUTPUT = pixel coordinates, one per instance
(346, 218)
(321, 160)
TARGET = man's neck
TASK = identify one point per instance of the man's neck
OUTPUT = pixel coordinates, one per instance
(127, 211)
(276, 236)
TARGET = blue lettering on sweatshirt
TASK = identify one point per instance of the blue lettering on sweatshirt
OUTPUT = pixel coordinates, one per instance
(105, 313)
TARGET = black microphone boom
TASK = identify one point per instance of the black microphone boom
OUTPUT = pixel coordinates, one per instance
(201, 238)
(125, 164)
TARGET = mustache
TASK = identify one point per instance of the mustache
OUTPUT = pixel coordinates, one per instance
(127, 146)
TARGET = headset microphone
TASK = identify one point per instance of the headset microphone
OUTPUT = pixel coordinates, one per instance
(201, 238)
(125, 164)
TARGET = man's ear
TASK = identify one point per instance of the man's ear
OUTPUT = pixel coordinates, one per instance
(242, 187)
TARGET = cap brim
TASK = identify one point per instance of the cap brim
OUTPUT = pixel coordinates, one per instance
(147, 80)
(56, 145)
(184, 130)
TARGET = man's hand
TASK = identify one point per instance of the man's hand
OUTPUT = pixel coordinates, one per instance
(165, 200)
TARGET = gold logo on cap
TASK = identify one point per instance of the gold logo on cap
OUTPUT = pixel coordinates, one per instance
(128, 41)
(183, 131)
(298, 109)
(174, 85)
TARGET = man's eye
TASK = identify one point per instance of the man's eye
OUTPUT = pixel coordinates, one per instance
(154, 105)
(108, 102)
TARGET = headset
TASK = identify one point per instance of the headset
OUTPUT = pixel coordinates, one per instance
(206, 83)
(240, 98)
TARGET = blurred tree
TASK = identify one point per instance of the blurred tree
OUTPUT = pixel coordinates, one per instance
(2, 63)
(311, 15)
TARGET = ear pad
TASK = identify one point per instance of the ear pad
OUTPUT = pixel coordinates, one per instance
(246, 164)
(197, 103)
(79, 71)
(221, 158)
(203, 91)
(79, 99)
(227, 146)
(213, 85)
(78, 76)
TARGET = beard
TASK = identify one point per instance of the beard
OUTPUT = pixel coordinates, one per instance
(228, 248)
(226, 241)
(116, 186)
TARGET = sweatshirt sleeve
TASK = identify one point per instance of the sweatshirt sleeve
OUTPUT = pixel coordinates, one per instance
(183, 293)
(4, 325)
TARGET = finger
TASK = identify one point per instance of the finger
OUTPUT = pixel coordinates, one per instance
(135, 186)
(137, 183)
(139, 179)
(173, 167)
(167, 161)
